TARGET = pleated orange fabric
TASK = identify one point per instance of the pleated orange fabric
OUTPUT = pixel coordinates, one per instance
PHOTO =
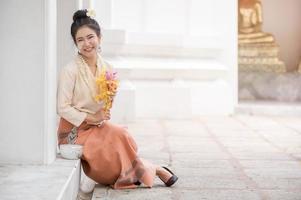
(109, 155)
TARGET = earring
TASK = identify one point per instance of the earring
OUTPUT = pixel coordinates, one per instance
(99, 49)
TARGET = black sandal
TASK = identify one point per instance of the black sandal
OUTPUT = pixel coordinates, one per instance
(137, 183)
(172, 179)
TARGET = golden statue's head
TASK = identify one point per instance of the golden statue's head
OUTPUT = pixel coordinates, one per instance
(248, 3)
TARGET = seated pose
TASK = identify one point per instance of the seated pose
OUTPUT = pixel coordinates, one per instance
(109, 151)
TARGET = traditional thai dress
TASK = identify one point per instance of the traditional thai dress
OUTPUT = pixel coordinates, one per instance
(109, 152)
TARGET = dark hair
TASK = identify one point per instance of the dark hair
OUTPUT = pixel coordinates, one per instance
(81, 19)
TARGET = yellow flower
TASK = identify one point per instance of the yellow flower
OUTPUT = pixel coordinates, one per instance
(107, 84)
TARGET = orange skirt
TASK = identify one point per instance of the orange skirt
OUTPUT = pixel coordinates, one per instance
(109, 155)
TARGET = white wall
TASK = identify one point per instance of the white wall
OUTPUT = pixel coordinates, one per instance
(282, 18)
(22, 82)
(226, 25)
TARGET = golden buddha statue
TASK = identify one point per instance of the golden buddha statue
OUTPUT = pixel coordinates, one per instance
(257, 50)
(250, 23)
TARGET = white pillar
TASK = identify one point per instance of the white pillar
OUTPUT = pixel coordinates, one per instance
(227, 16)
(87, 4)
(103, 10)
(91, 4)
(50, 39)
(79, 4)
(27, 81)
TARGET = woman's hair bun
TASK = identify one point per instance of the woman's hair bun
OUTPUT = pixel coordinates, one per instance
(79, 15)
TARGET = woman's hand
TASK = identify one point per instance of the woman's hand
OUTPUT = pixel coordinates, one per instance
(102, 115)
(98, 117)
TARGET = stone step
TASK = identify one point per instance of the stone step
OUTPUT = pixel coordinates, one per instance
(281, 87)
(57, 181)
(278, 68)
(259, 61)
(269, 108)
(173, 88)
(265, 51)
(143, 68)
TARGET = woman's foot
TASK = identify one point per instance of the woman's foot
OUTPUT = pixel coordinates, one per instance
(163, 174)
(87, 185)
(166, 176)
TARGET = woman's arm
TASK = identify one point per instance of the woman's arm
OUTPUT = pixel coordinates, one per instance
(65, 89)
(65, 109)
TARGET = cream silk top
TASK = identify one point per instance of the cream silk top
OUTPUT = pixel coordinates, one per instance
(77, 89)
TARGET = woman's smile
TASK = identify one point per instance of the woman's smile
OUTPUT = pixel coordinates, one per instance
(88, 50)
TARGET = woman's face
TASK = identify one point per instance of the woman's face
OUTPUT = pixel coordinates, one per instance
(87, 41)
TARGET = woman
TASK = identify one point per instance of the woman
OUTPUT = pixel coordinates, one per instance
(109, 152)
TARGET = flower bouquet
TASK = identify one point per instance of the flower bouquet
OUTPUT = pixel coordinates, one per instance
(107, 84)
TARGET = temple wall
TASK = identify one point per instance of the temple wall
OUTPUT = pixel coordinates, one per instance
(282, 18)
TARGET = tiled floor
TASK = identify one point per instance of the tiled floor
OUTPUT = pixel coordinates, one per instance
(219, 158)
(240, 157)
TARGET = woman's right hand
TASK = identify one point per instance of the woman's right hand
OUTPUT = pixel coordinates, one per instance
(102, 115)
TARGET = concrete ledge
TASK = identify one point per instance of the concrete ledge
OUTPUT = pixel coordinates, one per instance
(269, 86)
(168, 68)
(287, 109)
(57, 181)
(71, 186)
